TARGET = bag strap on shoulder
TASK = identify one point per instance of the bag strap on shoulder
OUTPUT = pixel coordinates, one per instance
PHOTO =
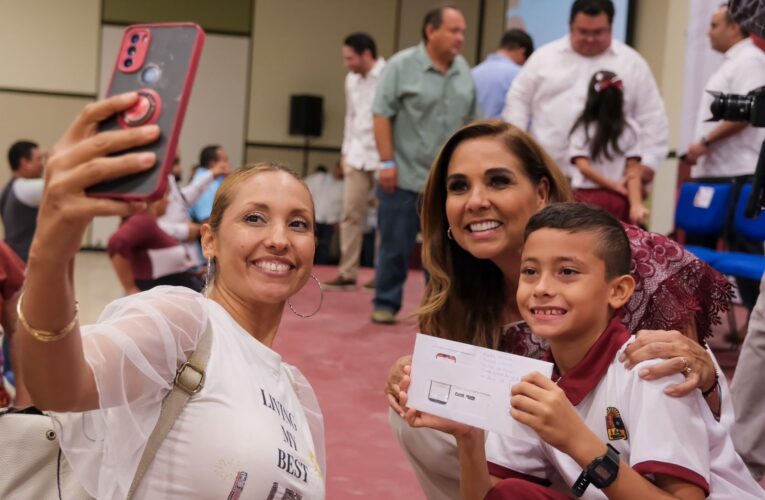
(189, 379)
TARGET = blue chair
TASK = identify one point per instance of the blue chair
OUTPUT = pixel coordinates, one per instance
(702, 209)
(739, 264)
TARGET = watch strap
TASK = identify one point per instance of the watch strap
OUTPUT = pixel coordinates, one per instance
(580, 485)
(610, 461)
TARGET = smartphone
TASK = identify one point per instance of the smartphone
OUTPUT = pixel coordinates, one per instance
(159, 61)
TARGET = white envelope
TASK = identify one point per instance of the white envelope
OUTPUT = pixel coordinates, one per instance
(470, 384)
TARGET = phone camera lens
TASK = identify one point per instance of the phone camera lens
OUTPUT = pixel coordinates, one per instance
(150, 75)
(135, 38)
(128, 62)
(131, 50)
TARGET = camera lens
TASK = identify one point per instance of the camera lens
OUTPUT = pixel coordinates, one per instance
(128, 62)
(135, 38)
(150, 74)
(732, 107)
(131, 50)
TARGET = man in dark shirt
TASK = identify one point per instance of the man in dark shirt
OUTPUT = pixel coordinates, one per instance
(20, 199)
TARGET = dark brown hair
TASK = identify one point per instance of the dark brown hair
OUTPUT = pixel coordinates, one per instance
(465, 296)
(613, 244)
(603, 116)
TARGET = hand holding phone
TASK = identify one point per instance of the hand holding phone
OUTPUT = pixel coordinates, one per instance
(159, 62)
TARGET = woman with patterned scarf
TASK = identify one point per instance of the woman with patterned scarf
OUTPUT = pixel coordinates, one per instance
(487, 181)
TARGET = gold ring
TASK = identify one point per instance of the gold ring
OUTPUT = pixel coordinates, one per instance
(686, 368)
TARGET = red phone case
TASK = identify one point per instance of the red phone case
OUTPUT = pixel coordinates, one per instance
(160, 62)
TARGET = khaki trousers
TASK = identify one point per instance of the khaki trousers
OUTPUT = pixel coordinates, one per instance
(433, 455)
(357, 186)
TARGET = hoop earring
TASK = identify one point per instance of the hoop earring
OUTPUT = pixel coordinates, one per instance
(449, 233)
(210, 274)
(321, 301)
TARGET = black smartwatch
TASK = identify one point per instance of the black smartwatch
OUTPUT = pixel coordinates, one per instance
(601, 472)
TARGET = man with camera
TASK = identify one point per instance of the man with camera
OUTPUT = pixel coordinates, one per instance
(727, 151)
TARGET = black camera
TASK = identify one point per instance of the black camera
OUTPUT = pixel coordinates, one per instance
(745, 108)
(739, 108)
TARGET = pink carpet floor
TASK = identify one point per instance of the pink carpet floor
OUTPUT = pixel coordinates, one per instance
(346, 357)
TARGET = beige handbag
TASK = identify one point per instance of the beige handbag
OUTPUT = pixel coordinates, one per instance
(31, 462)
(32, 465)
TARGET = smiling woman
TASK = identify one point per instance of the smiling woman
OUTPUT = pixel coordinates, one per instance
(486, 183)
(253, 426)
(261, 245)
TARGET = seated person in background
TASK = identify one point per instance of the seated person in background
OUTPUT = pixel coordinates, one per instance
(598, 422)
(20, 199)
(144, 256)
(604, 147)
(327, 191)
(176, 221)
(211, 157)
(11, 280)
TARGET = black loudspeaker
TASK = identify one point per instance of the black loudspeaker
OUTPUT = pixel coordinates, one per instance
(306, 115)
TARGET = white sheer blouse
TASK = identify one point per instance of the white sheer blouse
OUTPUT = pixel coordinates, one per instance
(255, 428)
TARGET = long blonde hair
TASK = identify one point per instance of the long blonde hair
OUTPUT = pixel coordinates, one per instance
(465, 296)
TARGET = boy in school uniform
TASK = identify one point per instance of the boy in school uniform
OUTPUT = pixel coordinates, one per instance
(604, 432)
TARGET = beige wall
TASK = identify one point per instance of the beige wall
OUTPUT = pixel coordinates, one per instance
(297, 50)
(225, 16)
(493, 26)
(660, 37)
(49, 45)
(293, 157)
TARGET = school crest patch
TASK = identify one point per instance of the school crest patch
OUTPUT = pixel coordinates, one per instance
(615, 425)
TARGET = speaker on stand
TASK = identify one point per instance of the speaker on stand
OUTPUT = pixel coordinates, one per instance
(307, 120)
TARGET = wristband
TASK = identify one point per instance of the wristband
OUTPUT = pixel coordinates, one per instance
(706, 393)
(387, 164)
(705, 141)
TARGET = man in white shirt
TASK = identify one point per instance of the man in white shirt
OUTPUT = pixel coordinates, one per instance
(727, 151)
(551, 89)
(359, 153)
(20, 198)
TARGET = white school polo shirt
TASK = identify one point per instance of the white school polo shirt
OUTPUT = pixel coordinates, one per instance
(612, 168)
(654, 433)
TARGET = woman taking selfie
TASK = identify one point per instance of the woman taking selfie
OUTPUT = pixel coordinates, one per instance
(106, 382)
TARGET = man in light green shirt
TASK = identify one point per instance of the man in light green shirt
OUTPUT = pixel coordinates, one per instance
(424, 95)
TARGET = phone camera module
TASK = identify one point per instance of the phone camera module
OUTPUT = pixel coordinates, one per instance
(128, 62)
(135, 38)
(131, 50)
(150, 75)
